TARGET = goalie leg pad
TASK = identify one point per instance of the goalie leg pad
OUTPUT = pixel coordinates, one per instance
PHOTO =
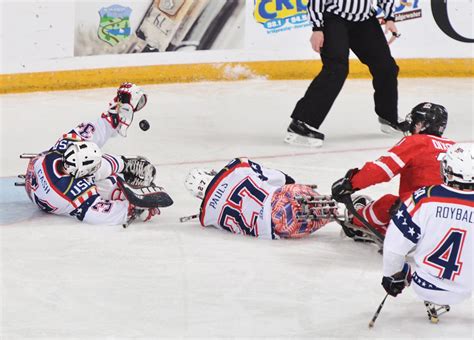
(151, 196)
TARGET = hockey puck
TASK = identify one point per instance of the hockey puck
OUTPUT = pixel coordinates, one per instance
(144, 125)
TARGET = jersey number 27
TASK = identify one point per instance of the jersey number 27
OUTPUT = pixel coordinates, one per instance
(239, 219)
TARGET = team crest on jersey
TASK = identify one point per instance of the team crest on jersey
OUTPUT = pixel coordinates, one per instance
(281, 15)
(114, 25)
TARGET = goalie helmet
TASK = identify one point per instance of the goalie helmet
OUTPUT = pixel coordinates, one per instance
(428, 118)
(457, 167)
(198, 180)
(82, 159)
(298, 210)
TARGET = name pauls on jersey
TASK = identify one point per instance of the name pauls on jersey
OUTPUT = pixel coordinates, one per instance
(218, 195)
(43, 181)
(455, 214)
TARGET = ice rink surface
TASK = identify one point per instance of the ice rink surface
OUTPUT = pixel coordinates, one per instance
(63, 279)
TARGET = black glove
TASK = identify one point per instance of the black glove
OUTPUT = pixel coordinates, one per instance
(343, 187)
(395, 207)
(394, 284)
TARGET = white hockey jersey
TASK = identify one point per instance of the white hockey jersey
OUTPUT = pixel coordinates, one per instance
(238, 199)
(88, 198)
(438, 223)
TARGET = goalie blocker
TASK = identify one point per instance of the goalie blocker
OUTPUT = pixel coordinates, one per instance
(151, 196)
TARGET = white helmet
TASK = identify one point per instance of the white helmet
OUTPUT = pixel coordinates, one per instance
(457, 167)
(82, 158)
(198, 180)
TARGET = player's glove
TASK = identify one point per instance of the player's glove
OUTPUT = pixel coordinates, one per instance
(141, 214)
(120, 116)
(129, 93)
(138, 171)
(394, 284)
(343, 187)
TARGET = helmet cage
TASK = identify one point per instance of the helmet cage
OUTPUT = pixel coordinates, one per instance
(82, 159)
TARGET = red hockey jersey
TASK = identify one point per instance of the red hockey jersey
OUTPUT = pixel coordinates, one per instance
(415, 158)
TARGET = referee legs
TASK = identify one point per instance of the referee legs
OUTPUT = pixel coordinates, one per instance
(324, 89)
(368, 42)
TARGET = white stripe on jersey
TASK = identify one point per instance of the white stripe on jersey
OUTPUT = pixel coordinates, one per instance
(396, 159)
(385, 168)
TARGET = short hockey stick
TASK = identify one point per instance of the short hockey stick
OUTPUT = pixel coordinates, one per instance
(376, 315)
(347, 201)
(188, 218)
(129, 221)
(28, 155)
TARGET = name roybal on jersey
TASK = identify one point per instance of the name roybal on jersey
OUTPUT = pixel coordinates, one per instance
(114, 24)
(454, 214)
(281, 15)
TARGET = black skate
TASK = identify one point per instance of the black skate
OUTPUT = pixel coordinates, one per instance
(300, 133)
(392, 128)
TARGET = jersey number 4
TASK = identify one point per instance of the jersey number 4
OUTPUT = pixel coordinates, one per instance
(446, 257)
(237, 219)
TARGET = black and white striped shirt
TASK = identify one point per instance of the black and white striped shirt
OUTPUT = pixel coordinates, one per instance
(351, 10)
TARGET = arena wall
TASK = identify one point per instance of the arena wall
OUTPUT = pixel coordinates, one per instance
(66, 44)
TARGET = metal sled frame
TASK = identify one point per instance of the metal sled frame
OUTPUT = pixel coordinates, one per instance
(434, 309)
(23, 177)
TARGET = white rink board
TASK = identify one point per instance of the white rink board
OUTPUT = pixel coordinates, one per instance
(46, 42)
(63, 279)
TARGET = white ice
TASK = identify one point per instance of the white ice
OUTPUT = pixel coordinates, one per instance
(64, 279)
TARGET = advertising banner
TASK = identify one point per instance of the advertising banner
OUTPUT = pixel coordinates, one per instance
(118, 27)
(211, 31)
(429, 29)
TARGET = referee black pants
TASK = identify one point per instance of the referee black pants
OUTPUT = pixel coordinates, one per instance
(367, 40)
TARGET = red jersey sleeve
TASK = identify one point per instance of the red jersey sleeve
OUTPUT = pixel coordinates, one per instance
(388, 165)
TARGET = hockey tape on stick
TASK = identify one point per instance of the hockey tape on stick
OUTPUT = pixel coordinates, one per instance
(188, 218)
(28, 155)
(376, 315)
(347, 201)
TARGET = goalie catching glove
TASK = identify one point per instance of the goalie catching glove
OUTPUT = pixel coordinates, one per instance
(138, 171)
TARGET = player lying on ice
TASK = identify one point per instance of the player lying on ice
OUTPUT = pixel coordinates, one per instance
(436, 225)
(246, 198)
(74, 178)
(414, 157)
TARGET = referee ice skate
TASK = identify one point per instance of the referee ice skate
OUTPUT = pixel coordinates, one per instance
(340, 26)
